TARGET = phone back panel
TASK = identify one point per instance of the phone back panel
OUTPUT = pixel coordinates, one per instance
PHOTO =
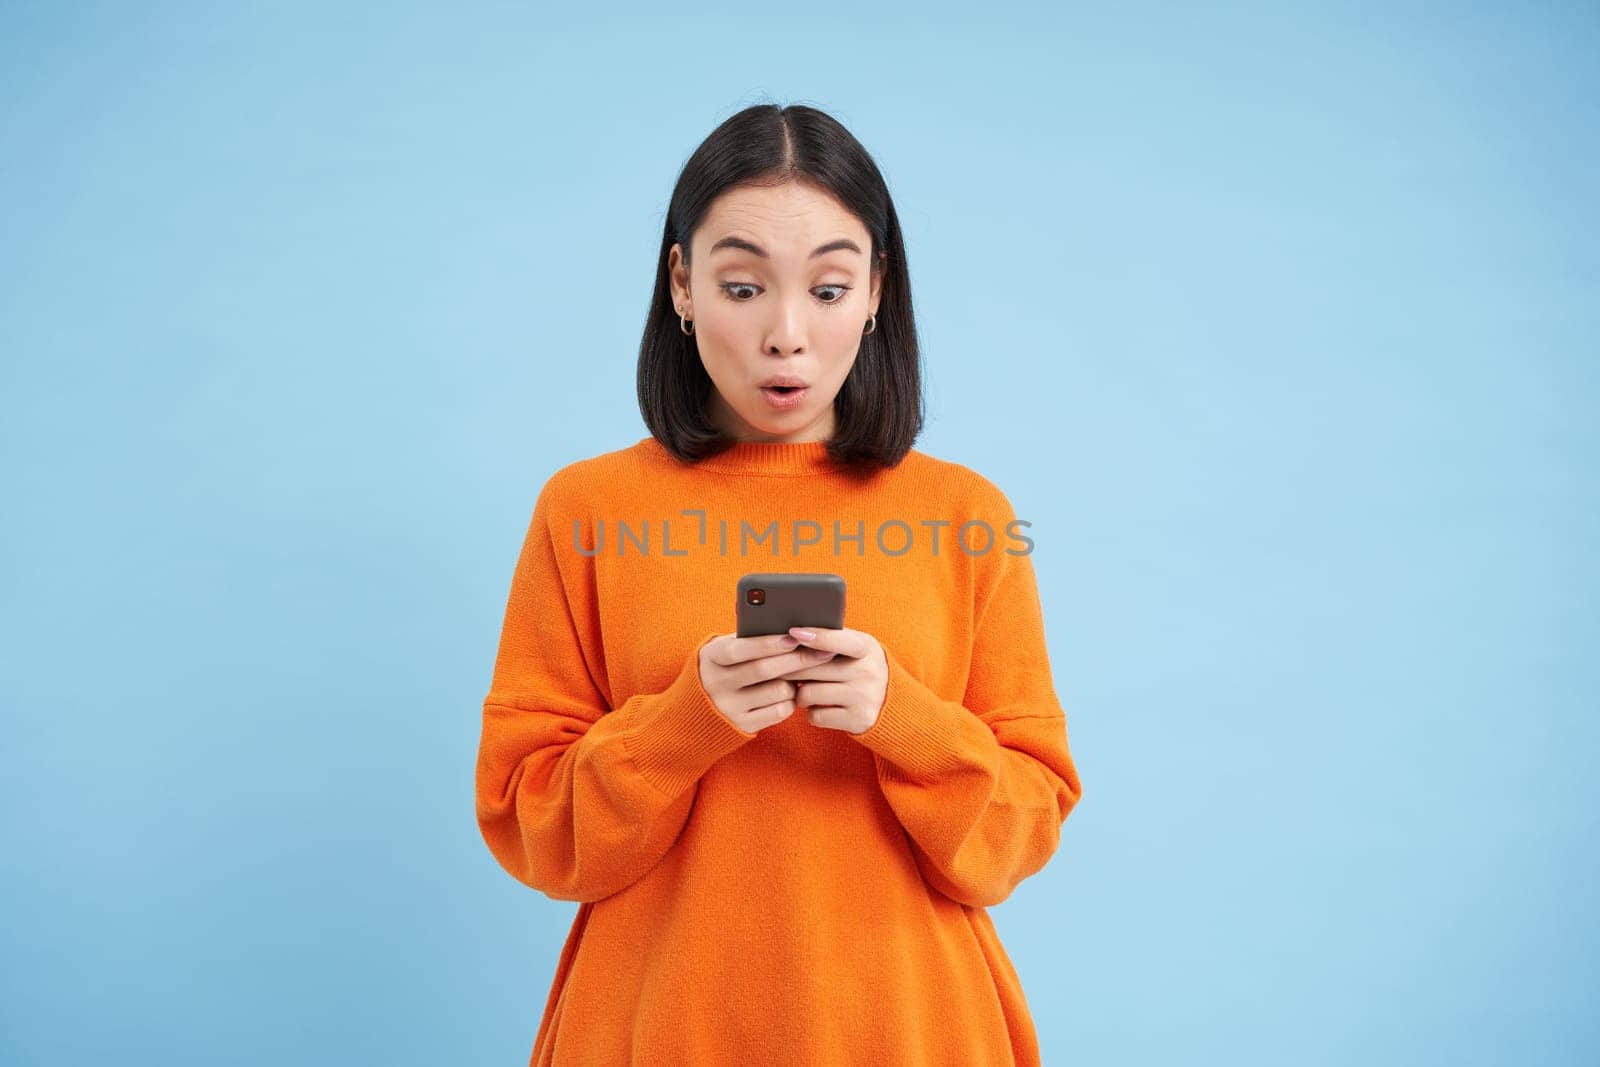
(804, 599)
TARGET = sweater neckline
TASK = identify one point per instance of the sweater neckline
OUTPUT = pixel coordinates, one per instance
(767, 457)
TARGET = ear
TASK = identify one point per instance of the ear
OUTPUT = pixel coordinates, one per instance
(678, 276)
(876, 290)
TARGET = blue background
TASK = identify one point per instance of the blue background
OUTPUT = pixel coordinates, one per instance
(1278, 325)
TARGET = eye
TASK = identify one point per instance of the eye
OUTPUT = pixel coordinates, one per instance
(728, 290)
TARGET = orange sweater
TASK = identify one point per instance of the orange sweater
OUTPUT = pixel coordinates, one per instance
(801, 895)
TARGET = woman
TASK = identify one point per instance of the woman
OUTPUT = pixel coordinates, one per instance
(756, 886)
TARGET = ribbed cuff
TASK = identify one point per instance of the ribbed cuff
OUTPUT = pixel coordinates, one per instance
(674, 736)
(922, 735)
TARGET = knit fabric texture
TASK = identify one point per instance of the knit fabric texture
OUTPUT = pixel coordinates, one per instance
(799, 895)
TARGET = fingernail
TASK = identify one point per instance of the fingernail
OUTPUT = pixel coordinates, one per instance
(788, 640)
(804, 635)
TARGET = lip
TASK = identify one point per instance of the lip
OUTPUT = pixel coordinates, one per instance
(784, 401)
(784, 379)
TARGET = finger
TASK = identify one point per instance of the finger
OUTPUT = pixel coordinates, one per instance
(777, 666)
(774, 689)
(843, 640)
(828, 670)
(729, 650)
(822, 694)
(830, 719)
(758, 719)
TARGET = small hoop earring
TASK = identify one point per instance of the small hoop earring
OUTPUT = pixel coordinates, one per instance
(683, 324)
(871, 325)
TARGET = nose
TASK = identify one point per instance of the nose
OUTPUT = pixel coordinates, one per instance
(787, 332)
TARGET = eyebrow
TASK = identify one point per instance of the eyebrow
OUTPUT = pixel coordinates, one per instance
(756, 250)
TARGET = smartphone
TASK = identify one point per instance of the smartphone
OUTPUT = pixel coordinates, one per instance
(771, 603)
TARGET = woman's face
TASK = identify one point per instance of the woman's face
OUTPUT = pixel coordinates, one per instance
(763, 302)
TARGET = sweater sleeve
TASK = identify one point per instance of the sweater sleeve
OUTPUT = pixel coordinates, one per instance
(982, 786)
(575, 798)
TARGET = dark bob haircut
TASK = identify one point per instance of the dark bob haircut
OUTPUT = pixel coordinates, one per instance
(878, 411)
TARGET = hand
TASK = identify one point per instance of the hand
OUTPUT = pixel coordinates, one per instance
(744, 677)
(845, 692)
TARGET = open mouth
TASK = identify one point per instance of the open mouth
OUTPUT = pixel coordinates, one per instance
(784, 397)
